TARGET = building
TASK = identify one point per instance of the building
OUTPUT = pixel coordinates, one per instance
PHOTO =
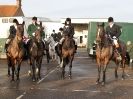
(11, 10)
(7, 14)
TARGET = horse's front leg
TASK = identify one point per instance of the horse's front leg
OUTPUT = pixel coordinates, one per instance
(70, 68)
(13, 70)
(39, 68)
(9, 66)
(63, 69)
(99, 72)
(116, 68)
(18, 69)
(33, 69)
(123, 69)
(104, 74)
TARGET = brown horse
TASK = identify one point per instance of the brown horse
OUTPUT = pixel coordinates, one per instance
(36, 51)
(16, 51)
(106, 51)
(68, 50)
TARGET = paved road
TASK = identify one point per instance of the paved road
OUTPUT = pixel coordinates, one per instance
(81, 86)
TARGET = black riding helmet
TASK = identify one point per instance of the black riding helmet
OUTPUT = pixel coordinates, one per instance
(68, 20)
(110, 19)
(34, 18)
(60, 29)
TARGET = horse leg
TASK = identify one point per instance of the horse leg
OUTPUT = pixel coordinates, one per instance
(116, 68)
(123, 69)
(99, 72)
(33, 69)
(13, 70)
(70, 68)
(39, 68)
(63, 69)
(9, 66)
(104, 75)
(48, 56)
(18, 69)
(29, 72)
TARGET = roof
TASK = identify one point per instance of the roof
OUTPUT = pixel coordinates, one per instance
(10, 11)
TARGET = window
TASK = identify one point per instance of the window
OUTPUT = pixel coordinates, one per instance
(85, 36)
(5, 20)
(11, 20)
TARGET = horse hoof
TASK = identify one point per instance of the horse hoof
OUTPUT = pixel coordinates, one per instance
(103, 83)
(12, 80)
(8, 75)
(33, 80)
(18, 79)
(97, 83)
(70, 77)
(123, 79)
(29, 73)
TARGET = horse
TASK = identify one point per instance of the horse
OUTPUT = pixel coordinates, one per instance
(52, 45)
(67, 51)
(36, 51)
(105, 52)
(16, 52)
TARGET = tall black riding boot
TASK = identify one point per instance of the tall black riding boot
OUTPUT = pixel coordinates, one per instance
(75, 48)
(6, 47)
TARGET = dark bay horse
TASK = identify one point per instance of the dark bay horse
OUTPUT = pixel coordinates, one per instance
(16, 51)
(105, 52)
(68, 50)
(36, 51)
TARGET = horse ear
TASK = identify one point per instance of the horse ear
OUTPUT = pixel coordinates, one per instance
(103, 24)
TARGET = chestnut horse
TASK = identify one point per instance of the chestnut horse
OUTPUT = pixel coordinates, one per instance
(106, 51)
(16, 52)
(68, 50)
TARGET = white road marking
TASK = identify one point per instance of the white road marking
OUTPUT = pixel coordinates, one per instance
(80, 90)
(81, 57)
(19, 97)
(47, 75)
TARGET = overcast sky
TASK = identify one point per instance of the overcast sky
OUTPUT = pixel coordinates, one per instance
(121, 10)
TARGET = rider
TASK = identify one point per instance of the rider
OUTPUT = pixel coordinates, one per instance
(68, 30)
(114, 31)
(12, 34)
(32, 27)
(54, 35)
(59, 34)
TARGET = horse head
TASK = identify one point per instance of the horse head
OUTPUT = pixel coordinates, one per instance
(100, 32)
(20, 31)
(38, 35)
